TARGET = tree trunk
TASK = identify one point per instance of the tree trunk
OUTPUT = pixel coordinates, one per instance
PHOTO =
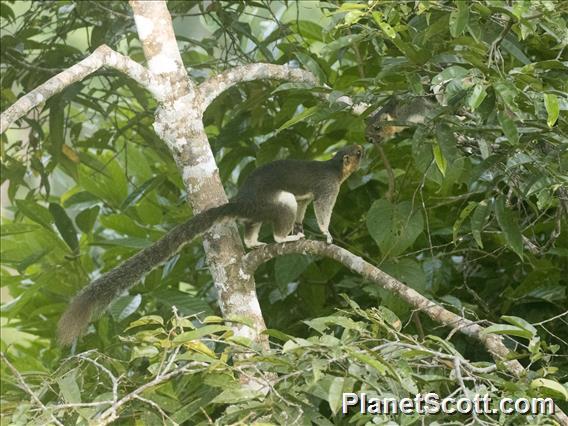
(179, 122)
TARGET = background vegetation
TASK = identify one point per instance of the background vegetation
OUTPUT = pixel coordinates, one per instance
(475, 217)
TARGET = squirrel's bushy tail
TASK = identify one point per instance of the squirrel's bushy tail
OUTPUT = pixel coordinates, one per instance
(98, 294)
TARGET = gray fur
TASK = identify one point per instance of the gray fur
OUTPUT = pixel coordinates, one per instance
(276, 193)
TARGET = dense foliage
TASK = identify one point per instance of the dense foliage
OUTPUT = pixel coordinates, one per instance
(468, 208)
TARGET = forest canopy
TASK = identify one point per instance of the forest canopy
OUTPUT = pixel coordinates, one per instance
(462, 196)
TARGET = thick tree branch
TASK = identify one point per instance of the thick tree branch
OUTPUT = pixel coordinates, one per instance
(103, 56)
(214, 86)
(156, 32)
(179, 123)
(492, 343)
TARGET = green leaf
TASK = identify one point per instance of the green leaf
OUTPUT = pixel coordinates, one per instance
(107, 182)
(65, 226)
(311, 65)
(352, 6)
(137, 243)
(234, 396)
(384, 26)
(125, 306)
(322, 323)
(290, 267)
(515, 51)
(56, 126)
(450, 73)
(277, 334)
(509, 226)
(370, 361)
(17, 228)
(148, 212)
(462, 217)
(69, 387)
(200, 332)
(308, 29)
(193, 407)
(124, 225)
(35, 212)
(335, 394)
(509, 127)
(552, 108)
(418, 57)
(440, 159)
(459, 18)
(6, 12)
(507, 92)
(414, 82)
(32, 259)
(520, 322)
(213, 319)
(87, 218)
(142, 191)
(342, 42)
(478, 221)
(447, 142)
(394, 227)
(143, 352)
(146, 320)
(299, 117)
(477, 96)
(550, 385)
(353, 17)
(186, 303)
(509, 330)
(77, 198)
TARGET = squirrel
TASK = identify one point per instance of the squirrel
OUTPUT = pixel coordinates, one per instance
(278, 193)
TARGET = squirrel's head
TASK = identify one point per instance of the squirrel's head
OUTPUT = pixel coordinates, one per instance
(350, 158)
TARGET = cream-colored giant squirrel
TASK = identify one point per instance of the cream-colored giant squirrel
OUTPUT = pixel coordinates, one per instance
(278, 193)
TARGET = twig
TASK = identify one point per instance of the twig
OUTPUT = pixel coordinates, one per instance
(23, 383)
(495, 45)
(465, 390)
(551, 319)
(390, 174)
(111, 376)
(157, 407)
(441, 355)
(111, 415)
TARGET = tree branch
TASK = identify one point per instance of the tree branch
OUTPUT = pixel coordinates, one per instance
(101, 57)
(439, 314)
(110, 415)
(214, 86)
(26, 387)
(492, 343)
